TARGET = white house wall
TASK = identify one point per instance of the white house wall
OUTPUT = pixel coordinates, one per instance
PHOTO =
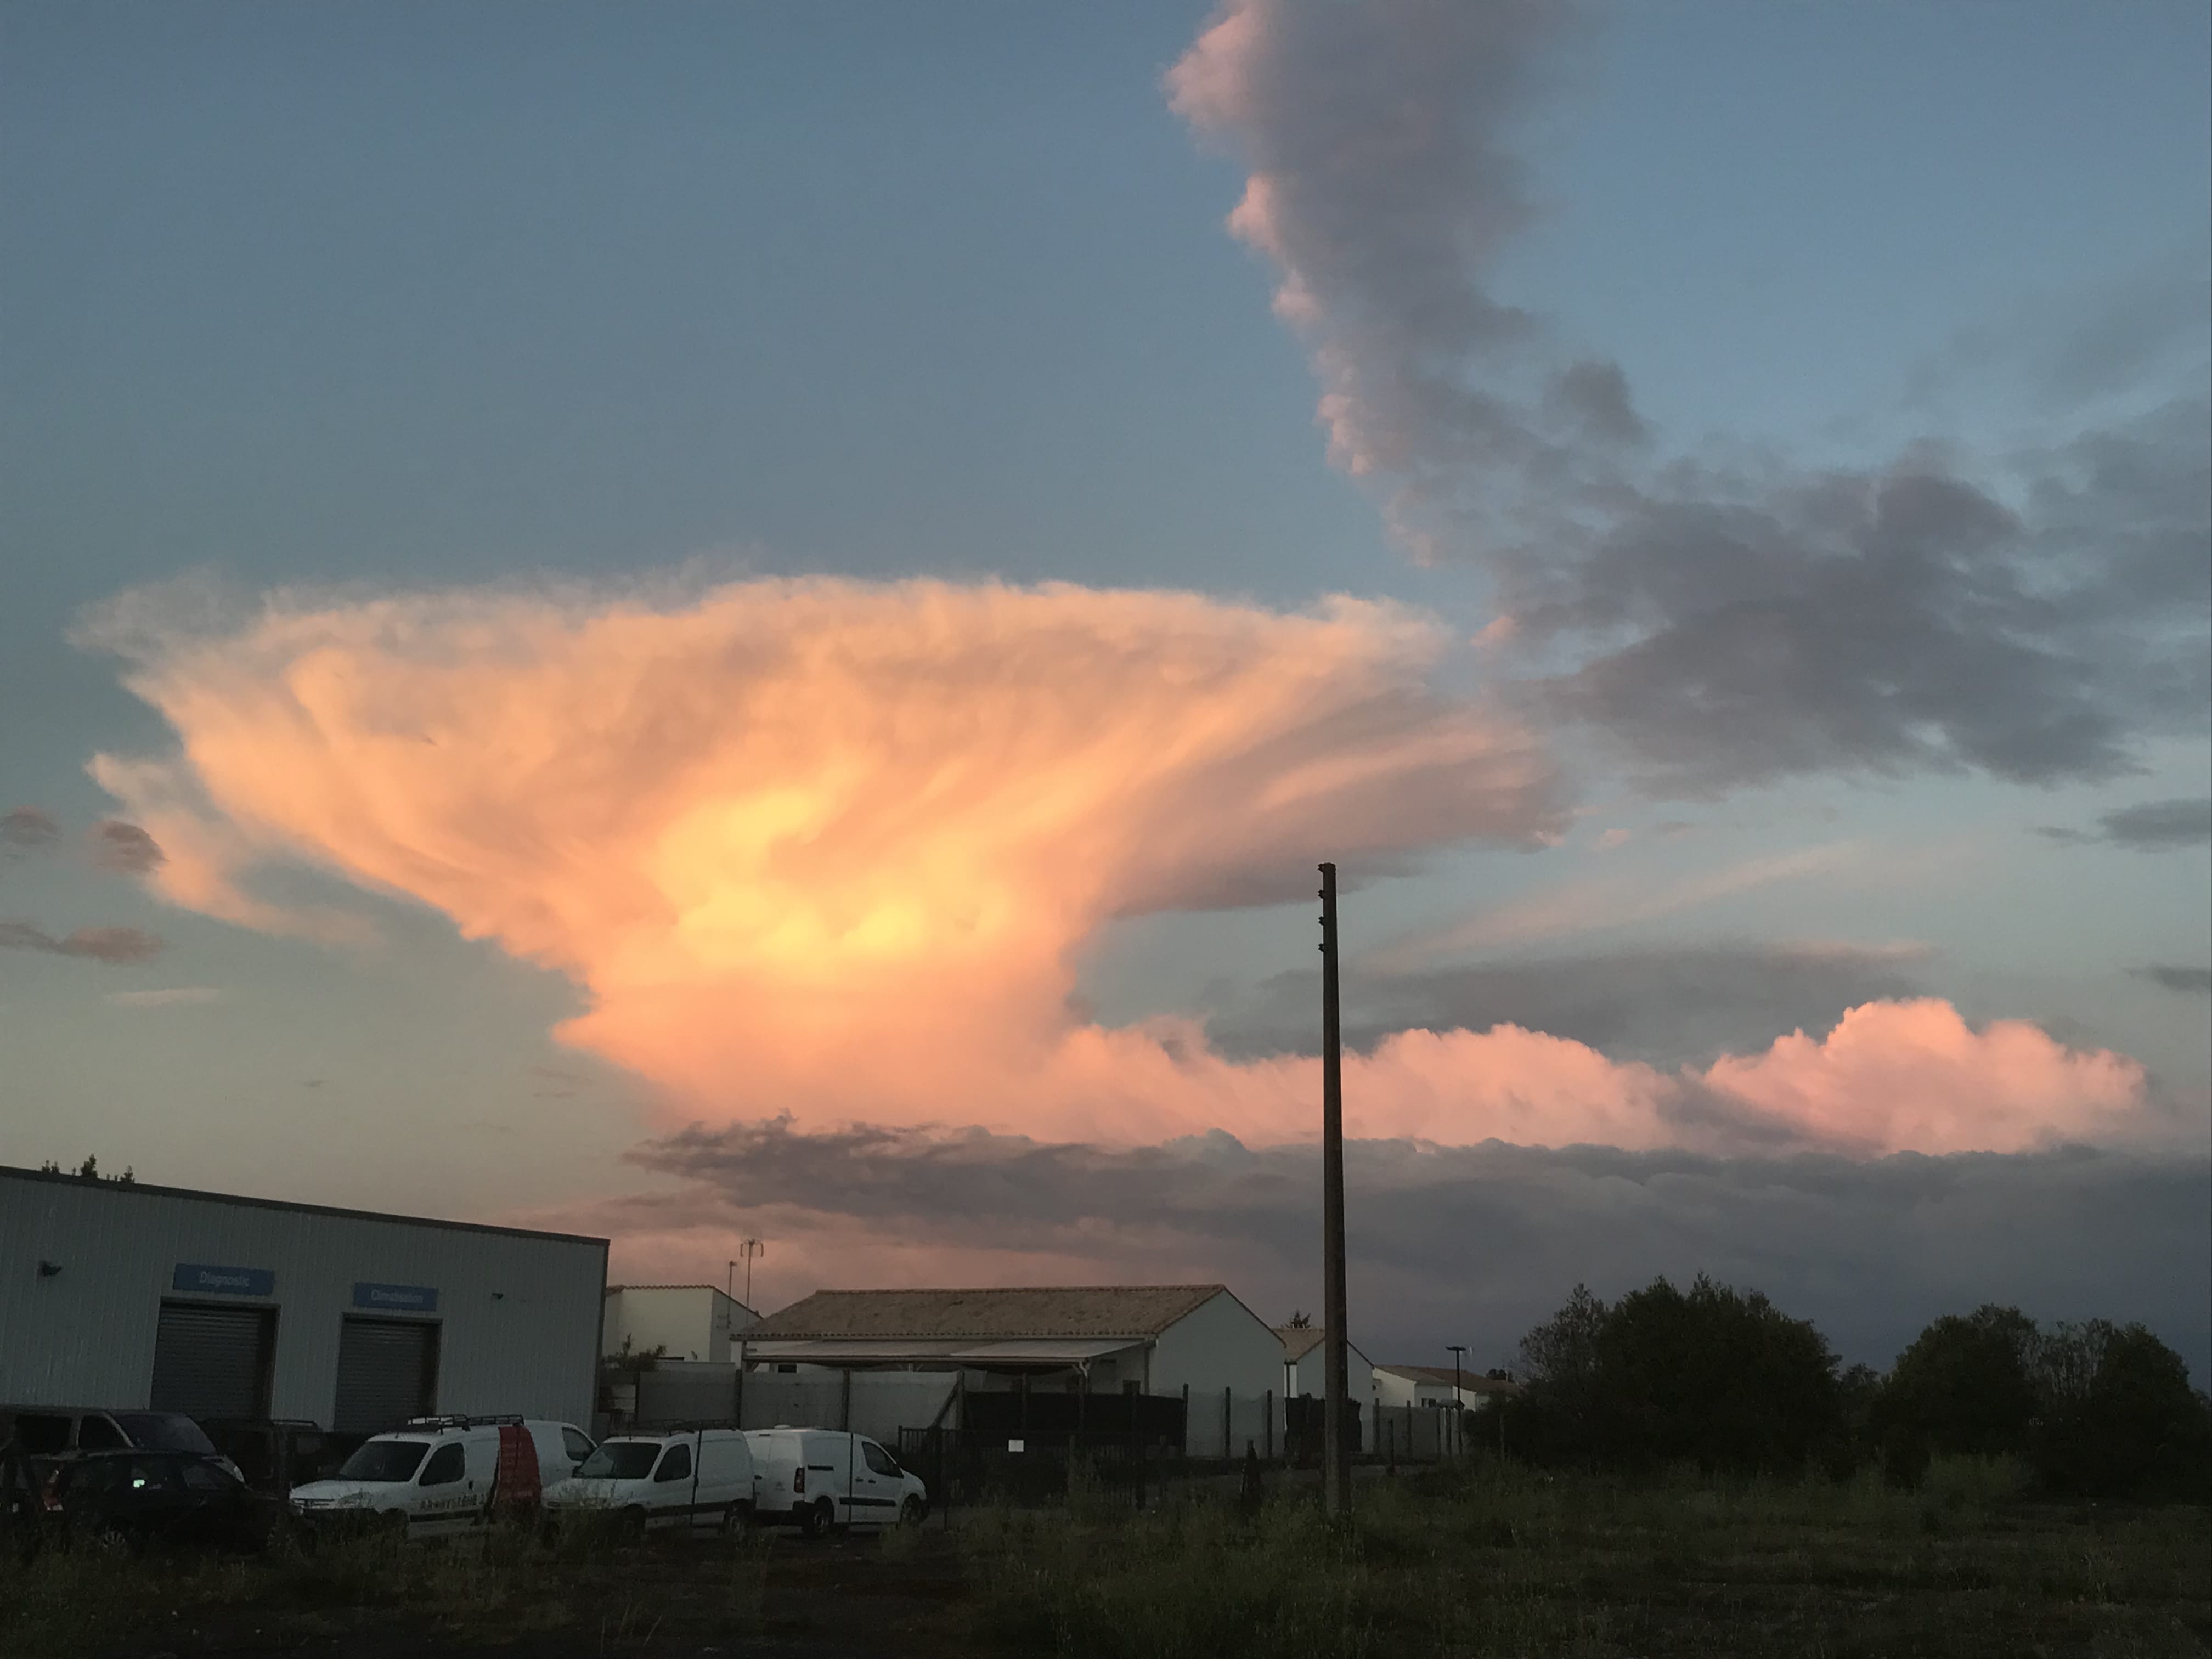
(1219, 1343)
(686, 1321)
(518, 1313)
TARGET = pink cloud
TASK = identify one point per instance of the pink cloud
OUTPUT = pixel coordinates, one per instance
(830, 849)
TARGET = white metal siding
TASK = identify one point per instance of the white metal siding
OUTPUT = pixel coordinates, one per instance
(519, 1313)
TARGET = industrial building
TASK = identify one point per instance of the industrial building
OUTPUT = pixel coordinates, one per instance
(679, 1321)
(121, 1294)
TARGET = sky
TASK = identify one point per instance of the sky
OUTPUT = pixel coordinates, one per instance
(750, 621)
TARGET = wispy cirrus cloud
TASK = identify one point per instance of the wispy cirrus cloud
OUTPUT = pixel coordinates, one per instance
(123, 848)
(26, 826)
(108, 944)
(2150, 826)
(2196, 981)
(167, 996)
(1606, 903)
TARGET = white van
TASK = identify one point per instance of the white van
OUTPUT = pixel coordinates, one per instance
(442, 1474)
(699, 1478)
(817, 1479)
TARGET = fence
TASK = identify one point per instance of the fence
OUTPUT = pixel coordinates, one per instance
(1423, 1434)
(963, 1467)
(887, 1405)
(878, 1404)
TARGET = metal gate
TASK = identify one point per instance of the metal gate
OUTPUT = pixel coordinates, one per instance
(387, 1373)
(213, 1361)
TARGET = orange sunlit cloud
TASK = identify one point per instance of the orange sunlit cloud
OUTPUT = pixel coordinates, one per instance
(828, 848)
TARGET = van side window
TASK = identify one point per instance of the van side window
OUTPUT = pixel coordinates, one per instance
(95, 1433)
(879, 1461)
(675, 1464)
(575, 1445)
(445, 1466)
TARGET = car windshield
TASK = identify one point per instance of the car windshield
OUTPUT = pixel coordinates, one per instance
(384, 1459)
(164, 1431)
(620, 1460)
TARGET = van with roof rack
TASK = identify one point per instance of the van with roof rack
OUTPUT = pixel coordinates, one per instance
(444, 1474)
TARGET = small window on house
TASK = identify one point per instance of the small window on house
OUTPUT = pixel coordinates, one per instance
(788, 1370)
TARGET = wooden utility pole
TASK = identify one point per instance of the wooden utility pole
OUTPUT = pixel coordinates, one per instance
(1336, 1445)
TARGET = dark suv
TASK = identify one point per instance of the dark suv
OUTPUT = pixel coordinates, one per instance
(60, 1431)
(129, 1500)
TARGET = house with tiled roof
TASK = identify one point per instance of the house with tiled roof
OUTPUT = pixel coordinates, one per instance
(1162, 1339)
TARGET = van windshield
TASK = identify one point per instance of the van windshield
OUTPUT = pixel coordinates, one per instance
(164, 1431)
(620, 1460)
(384, 1459)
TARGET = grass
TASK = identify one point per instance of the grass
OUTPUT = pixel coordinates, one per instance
(1508, 1561)
(1484, 1560)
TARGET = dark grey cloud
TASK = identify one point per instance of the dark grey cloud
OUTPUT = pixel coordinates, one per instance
(2030, 616)
(1474, 1244)
(2195, 982)
(2151, 826)
(124, 849)
(1892, 622)
(110, 944)
(27, 826)
(1666, 1007)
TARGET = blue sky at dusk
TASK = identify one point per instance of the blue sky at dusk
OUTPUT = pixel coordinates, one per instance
(703, 577)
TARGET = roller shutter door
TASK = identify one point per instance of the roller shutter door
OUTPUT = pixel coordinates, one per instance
(387, 1373)
(212, 1361)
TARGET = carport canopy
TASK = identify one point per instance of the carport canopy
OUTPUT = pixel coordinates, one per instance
(1041, 1354)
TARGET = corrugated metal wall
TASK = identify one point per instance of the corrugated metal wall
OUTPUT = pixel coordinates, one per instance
(519, 1313)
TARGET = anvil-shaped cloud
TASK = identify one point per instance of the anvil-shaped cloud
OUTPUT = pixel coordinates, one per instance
(828, 849)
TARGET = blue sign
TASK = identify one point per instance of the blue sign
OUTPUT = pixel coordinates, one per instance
(396, 1298)
(223, 1281)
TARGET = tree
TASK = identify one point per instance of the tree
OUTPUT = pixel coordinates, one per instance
(1711, 1375)
(1967, 1386)
(2099, 1410)
(1299, 1321)
(2118, 1418)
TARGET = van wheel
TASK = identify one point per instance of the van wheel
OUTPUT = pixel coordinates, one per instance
(814, 1520)
(737, 1517)
(633, 1523)
(912, 1511)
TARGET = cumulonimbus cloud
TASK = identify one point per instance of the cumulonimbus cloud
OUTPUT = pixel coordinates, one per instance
(828, 849)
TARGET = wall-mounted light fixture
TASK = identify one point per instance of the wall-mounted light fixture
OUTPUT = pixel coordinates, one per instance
(499, 1295)
(48, 1269)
